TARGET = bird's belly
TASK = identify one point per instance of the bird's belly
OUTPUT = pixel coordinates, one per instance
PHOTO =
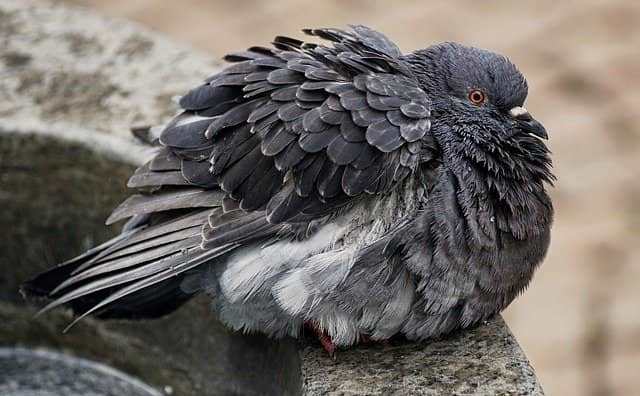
(253, 271)
(275, 288)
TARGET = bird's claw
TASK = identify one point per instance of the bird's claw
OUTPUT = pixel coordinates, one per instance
(324, 338)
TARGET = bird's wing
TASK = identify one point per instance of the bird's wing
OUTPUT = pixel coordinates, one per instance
(302, 129)
(375, 40)
(284, 135)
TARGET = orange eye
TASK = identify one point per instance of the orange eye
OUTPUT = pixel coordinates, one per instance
(477, 97)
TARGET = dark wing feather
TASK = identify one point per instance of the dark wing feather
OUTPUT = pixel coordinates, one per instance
(145, 177)
(164, 160)
(166, 200)
(349, 108)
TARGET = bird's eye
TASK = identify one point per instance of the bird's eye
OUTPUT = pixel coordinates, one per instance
(477, 97)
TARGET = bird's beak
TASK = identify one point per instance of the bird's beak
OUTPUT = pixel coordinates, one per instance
(527, 123)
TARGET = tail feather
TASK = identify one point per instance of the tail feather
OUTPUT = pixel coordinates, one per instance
(145, 283)
(104, 280)
(102, 283)
(140, 273)
(145, 304)
(44, 283)
(142, 233)
(121, 263)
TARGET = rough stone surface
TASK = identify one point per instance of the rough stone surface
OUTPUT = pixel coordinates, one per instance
(85, 83)
(66, 71)
(27, 372)
(43, 183)
(484, 361)
(55, 196)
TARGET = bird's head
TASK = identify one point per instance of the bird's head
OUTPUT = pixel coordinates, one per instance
(479, 115)
(481, 86)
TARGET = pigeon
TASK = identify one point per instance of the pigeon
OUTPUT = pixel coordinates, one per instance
(344, 187)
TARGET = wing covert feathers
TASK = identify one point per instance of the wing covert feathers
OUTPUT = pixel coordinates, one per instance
(352, 106)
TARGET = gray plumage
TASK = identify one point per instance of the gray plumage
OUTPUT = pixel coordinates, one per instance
(346, 185)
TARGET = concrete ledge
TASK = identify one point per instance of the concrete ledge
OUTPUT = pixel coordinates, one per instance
(82, 80)
(484, 361)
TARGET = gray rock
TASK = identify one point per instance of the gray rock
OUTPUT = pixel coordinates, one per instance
(484, 361)
(70, 93)
(55, 196)
(70, 73)
(27, 372)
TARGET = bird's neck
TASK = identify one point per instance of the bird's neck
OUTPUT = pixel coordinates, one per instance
(499, 192)
(424, 64)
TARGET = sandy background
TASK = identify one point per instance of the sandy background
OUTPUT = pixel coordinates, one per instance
(579, 322)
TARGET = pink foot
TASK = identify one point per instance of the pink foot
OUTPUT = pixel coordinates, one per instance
(323, 337)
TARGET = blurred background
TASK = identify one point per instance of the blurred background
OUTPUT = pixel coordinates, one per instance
(579, 322)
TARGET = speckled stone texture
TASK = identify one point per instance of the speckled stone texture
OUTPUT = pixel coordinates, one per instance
(46, 373)
(55, 196)
(484, 361)
(72, 80)
(74, 74)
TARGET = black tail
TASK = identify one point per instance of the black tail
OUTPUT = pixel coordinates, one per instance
(153, 302)
(116, 257)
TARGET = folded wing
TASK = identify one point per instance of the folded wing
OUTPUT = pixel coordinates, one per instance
(282, 136)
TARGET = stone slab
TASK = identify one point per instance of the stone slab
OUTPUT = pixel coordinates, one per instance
(39, 372)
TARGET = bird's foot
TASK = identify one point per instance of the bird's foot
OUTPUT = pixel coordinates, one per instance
(323, 337)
